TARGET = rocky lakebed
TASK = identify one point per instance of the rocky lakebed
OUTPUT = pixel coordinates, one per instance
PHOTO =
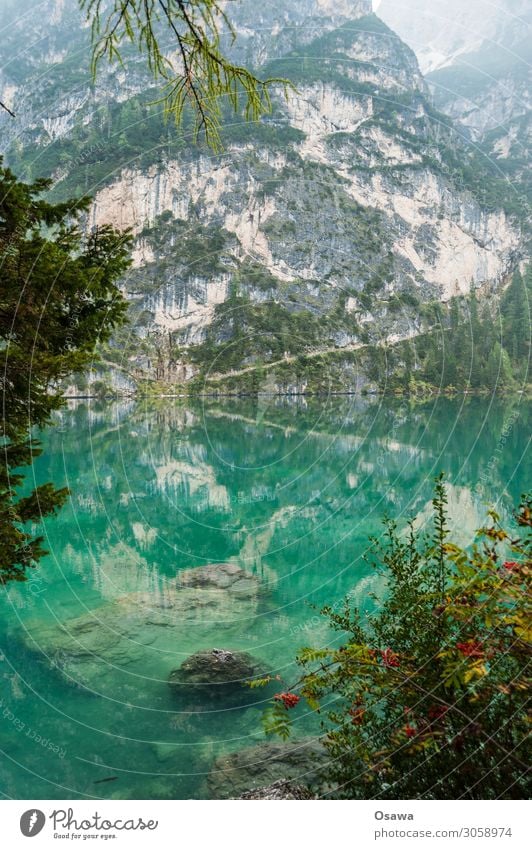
(136, 645)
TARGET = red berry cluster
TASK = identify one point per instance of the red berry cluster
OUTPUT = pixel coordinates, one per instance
(437, 712)
(389, 658)
(471, 648)
(289, 700)
(357, 715)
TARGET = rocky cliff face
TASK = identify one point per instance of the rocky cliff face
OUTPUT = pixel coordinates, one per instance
(271, 29)
(333, 224)
(489, 93)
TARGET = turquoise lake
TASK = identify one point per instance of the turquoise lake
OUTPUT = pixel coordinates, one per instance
(289, 491)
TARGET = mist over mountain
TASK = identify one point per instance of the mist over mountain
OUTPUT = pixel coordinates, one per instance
(441, 31)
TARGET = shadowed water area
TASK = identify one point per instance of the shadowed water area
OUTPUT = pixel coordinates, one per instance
(285, 494)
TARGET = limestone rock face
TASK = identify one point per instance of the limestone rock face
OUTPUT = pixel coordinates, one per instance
(336, 223)
(477, 58)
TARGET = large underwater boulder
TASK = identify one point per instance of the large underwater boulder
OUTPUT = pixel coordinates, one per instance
(255, 767)
(150, 632)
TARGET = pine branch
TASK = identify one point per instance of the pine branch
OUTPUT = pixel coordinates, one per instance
(203, 76)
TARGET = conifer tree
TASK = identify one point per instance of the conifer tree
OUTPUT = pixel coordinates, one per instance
(516, 309)
(58, 297)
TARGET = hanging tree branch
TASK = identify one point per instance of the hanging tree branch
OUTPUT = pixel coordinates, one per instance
(195, 71)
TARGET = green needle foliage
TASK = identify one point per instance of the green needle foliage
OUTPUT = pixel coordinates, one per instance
(58, 297)
(428, 697)
(181, 41)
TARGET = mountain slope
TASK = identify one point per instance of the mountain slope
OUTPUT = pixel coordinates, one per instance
(489, 93)
(336, 223)
(480, 60)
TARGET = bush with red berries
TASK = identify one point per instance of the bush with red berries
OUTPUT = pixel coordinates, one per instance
(427, 697)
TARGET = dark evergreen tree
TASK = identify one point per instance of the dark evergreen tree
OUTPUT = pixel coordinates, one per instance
(58, 297)
(516, 316)
(498, 369)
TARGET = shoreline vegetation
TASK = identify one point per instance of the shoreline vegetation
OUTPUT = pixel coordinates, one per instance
(428, 394)
(427, 697)
(470, 347)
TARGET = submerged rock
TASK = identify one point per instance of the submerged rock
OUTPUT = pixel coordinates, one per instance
(140, 627)
(221, 576)
(280, 790)
(254, 768)
(216, 673)
(216, 593)
(217, 666)
(206, 725)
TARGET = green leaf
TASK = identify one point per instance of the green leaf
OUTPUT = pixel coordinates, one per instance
(259, 682)
(276, 721)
